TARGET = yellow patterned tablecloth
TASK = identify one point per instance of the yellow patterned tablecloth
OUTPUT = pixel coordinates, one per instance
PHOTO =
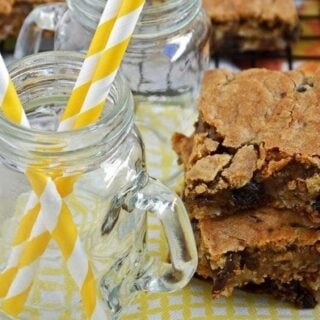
(194, 302)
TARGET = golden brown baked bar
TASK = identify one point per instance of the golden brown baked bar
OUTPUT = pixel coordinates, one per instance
(252, 183)
(243, 25)
(256, 143)
(6, 6)
(13, 13)
(267, 250)
(12, 19)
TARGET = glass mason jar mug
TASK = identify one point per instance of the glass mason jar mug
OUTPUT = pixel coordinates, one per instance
(167, 54)
(164, 62)
(109, 201)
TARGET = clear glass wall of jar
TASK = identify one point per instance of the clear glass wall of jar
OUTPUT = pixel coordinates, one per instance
(163, 65)
(109, 200)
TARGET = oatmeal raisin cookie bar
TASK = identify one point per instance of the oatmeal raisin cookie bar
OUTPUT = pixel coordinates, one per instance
(256, 143)
(263, 250)
(242, 25)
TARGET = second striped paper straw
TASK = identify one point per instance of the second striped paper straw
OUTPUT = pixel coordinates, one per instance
(109, 63)
(9, 100)
(98, 44)
(12, 108)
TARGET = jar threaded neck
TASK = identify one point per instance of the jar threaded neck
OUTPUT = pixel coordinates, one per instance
(44, 82)
(161, 15)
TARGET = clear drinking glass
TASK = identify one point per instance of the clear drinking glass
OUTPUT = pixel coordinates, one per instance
(168, 52)
(110, 200)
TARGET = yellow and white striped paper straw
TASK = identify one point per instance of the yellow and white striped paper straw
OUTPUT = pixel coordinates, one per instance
(66, 235)
(96, 48)
(9, 100)
(12, 108)
(16, 280)
(109, 63)
(25, 229)
(63, 230)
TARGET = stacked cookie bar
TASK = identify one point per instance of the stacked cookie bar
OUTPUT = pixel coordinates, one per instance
(252, 183)
(242, 25)
(12, 14)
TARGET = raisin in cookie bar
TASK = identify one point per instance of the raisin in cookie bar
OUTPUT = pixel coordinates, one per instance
(256, 144)
(242, 25)
(262, 250)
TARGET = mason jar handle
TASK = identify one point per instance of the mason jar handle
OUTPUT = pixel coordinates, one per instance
(44, 17)
(169, 209)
